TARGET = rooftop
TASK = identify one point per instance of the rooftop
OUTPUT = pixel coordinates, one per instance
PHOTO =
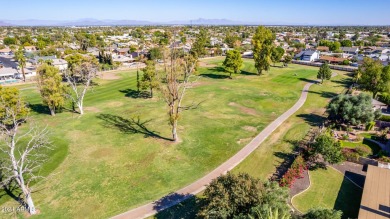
(376, 195)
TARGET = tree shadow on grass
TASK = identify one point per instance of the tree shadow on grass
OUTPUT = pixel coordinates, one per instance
(345, 82)
(11, 190)
(219, 73)
(135, 94)
(281, 169)
(243, 72)
(325, 94)
(215, 76)
(131, 126)
(308, 80)
(39, 108)
(348, 197)
(170, 200)
(185, 209)
(312, 119)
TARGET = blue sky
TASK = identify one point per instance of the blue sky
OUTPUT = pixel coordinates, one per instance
(338, 12)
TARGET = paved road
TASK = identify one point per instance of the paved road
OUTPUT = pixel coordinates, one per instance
(196, 187)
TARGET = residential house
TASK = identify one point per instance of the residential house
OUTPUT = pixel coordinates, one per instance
(350, 50)
(122, 59)
(27, 72)
(30, 49)
(61, 64)
(376, 192)
(8, 73)
(122, 51)
(308, 55)
(5, 51)
(332, 59)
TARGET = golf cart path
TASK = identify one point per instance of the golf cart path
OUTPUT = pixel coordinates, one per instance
(199, 185)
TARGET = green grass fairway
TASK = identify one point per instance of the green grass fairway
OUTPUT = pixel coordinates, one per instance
(278, 147)
(110, 168)
(329, 189)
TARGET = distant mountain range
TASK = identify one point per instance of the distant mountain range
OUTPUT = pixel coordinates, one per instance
(96, 22)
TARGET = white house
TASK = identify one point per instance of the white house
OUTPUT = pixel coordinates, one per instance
(61, 64)
(27, 72)
(308, 55)
(5, 51)
(8, 73)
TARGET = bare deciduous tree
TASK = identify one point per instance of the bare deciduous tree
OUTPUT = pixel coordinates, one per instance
(23, 152)
(79, 80)
(176, 79)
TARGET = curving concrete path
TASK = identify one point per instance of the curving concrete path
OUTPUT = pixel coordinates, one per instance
(199, 185)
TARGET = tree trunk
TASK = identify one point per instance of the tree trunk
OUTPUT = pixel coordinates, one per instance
(174, 131)
(138, 85)
(52, 111)
(24, 74)
(151, 92)
(30, 204)
(374, 94)
(80, 106)
(322, 81)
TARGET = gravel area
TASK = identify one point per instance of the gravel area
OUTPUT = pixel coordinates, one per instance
(300, 184)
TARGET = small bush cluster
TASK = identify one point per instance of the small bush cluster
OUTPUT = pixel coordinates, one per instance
(385, 98)
(350, 154)
(385, 118)
(383, 156)
(353, 154)
(294, 172)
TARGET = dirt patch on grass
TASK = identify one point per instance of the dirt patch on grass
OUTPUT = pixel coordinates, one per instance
(244, 140)
(92, 109)
(250, 128)
(244, 109)
(115, 104)
(225, 88)
(109, 76)
(100, 153)
(199, 83)
(204, 64)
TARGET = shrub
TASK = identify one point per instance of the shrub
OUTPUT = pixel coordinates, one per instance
(385, 98)
(350, 154)
(385, 118)
(384, 159)
(345, 62)
(383, 156)
(362, 151)
(294, 172)
(370, 126)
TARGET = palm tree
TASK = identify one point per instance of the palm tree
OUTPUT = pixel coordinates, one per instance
(19, 55)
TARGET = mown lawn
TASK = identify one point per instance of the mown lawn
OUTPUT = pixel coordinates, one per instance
(329, 189)
(111, 168)
(262, 163)
(371, 146)
(275, 150)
